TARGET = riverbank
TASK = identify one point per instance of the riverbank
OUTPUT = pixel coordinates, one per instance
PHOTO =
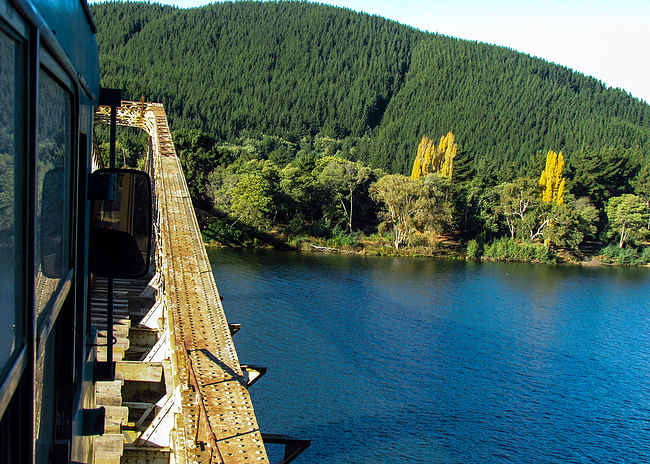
(222, 234)
(444, 248)
(436, 246)
(439, 246)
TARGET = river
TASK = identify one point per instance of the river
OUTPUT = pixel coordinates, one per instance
(408, 360)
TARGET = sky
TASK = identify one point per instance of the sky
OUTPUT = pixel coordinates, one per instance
(605, 39)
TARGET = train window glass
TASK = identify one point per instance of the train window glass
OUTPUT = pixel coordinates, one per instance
(11, 186)
(52, 234)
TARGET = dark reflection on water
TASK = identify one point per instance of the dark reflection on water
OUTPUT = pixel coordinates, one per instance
(390, 360)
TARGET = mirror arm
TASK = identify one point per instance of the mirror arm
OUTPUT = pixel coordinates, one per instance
(112, 98)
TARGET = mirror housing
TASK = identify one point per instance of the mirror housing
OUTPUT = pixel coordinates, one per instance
(120, 223)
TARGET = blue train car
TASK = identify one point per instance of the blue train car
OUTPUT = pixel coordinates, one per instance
(49, 90)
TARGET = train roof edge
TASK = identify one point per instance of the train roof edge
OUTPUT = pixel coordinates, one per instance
(71, 25)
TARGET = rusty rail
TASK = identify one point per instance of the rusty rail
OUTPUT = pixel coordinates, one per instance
(212, 437)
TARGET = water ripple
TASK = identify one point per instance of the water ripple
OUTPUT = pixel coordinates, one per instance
(420, 361)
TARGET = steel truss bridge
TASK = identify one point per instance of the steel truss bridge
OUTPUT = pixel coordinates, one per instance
(179, 393)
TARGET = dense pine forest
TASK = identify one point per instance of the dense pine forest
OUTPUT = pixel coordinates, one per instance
(295, 113)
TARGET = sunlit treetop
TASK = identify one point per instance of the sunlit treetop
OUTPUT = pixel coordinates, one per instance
(552, 181)
(435, 159)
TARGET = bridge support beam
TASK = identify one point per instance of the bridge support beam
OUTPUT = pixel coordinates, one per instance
(293, 447)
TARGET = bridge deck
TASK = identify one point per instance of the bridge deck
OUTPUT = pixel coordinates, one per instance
(205, 352)
(215, 420)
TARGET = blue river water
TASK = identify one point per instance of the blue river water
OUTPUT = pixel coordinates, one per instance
(398, 360)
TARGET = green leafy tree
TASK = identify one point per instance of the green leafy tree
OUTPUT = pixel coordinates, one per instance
(528, 217)
(641, 186)
(439, 191)
(570, 223)
(221, 181)
(251, 201)
(517, 205)
(246, 182)
(299, 184)
(198, 159)
(627, 217)
(408, 206)
(342, 178)
(587, 218)
(483, 208)
(404, 199)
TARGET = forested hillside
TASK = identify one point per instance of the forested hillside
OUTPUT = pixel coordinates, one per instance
(289, 69)
(504, 106)
(297, 70)
(295, 120)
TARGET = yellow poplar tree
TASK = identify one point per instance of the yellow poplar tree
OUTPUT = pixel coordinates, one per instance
(419, 163)
(429, 155)
(448, 149)
(552, 181)
(432, 158)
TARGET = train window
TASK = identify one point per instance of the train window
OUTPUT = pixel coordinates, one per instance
(52, 238)
(53, 179)
(11, 198)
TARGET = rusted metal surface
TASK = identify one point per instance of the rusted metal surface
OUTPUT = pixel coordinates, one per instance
(216, 422)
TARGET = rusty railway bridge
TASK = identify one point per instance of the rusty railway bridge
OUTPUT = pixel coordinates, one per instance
(179, 393)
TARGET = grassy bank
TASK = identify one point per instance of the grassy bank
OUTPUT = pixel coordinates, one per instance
(221, 233)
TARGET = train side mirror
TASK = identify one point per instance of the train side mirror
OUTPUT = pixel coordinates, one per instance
(120, 223)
